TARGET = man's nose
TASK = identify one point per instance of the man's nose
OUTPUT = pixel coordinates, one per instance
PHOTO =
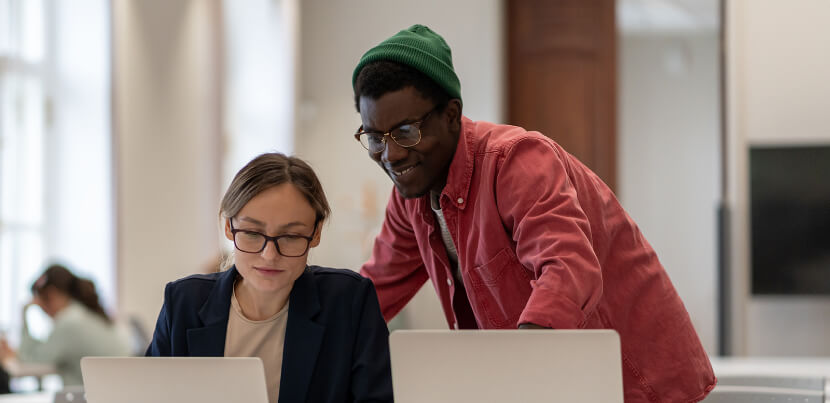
(393, 152)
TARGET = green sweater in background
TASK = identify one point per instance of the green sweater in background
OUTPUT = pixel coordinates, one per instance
(76, 332)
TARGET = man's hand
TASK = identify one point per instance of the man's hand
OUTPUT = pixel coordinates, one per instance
(531, 326)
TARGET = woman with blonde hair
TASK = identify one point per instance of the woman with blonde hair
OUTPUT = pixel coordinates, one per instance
(318, 331)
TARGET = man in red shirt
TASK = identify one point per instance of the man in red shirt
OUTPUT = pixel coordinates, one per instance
(511, 229)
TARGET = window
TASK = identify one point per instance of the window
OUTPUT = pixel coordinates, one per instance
(23, 75)
(55, 158)
(259, 81)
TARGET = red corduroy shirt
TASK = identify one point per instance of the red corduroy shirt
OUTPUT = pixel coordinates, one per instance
(541, 239)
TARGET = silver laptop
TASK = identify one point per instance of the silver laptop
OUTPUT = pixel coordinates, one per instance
(571, 366)
(173, 379)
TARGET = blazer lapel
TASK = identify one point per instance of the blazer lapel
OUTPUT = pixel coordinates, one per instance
(209, 341)
(303, 337)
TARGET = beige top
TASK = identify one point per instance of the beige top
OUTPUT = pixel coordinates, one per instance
(258, 338)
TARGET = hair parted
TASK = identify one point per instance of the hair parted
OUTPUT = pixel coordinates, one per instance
(269, 170)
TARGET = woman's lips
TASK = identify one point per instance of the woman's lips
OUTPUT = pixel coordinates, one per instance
(268, 271)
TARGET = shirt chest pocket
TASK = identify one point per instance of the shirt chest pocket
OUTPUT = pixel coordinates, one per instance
(499, 290)
(496, 268)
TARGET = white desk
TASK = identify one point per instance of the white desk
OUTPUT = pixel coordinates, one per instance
(722, 366)
(774, 366)
(17, 369)
(784, 366)
(39, 397)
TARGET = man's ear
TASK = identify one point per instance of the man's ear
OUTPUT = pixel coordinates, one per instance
(453, 115)
(316, 240)
(228, 233)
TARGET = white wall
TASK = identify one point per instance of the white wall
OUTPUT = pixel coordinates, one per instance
(333, 36)
(166, 111)
(778, 64)
(168, 165)
(259, 97)
(669, 159)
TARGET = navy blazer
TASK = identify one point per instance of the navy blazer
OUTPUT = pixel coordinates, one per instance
(336, 341)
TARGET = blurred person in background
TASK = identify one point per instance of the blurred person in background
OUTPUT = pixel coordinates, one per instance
(80, 327)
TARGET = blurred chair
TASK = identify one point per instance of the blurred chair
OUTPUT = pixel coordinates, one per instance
(762, 394)
(4, 381)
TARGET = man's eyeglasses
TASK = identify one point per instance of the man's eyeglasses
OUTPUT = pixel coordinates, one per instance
(405, 135)
(287, 245)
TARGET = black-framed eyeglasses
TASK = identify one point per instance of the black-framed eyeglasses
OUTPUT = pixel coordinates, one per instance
(405, 135)
(287, 245)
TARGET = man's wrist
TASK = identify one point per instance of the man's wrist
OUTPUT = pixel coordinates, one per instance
(529, 325)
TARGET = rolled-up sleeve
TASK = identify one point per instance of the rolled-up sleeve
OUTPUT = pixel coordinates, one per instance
(539, 204)
(395, 267)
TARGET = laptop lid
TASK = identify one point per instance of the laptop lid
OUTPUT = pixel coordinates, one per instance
(571, 366)
(174, 379)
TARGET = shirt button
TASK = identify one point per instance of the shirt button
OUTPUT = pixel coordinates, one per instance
(460, 200)
(449, 282)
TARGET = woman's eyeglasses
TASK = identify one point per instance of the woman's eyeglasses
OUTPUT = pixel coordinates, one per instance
(287, 245)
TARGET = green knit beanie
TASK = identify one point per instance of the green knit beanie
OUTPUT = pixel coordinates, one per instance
(420, 48)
